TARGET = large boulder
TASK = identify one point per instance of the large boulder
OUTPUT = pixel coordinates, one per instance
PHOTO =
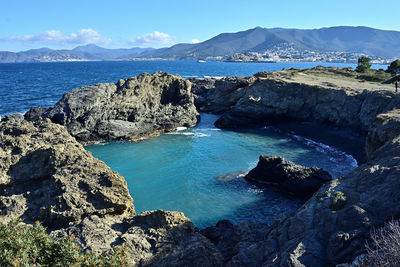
(46, 175)
(287, 176)
(130, 109)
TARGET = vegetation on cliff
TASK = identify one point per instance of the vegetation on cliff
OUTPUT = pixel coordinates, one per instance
(30, 245)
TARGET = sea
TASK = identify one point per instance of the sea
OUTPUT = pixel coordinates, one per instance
(198, 171)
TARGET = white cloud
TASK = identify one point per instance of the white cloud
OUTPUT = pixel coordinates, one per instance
(153, 39)
(194, 41)
(55, 37)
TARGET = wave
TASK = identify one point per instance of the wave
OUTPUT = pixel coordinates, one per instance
(189, 134)
(326, 149)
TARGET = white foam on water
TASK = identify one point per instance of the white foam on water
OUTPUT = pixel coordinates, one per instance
(326, 149)
(182, 128)
(189, 134)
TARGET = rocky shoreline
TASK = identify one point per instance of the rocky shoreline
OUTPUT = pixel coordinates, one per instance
(46, 175)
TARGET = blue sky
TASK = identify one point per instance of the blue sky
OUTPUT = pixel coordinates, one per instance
(26, 24)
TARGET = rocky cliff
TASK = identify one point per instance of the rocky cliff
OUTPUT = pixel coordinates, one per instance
(130, 109)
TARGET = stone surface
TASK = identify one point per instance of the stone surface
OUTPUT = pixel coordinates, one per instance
(34, 113)
(219, 95)
(240, 245)
(46, 175)
(128, 110)
(288, 177)
(155, 238)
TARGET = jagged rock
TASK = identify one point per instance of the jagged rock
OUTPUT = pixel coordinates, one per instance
(129, 109)
(13, 118)
(219, 95)
(34, 114)
(288, 177)
(240, 245)
(46, 175)
(156, 238)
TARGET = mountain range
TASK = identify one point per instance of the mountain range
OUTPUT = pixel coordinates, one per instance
(373, 42)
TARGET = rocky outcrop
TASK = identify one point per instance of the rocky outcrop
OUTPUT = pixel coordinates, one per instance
(287, 177)
(46, 175)
(301, 96)
(152, 238)
(130, 109)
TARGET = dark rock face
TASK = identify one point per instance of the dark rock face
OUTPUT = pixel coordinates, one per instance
(34, 114)
(219, 95)
(288, 177)
(132, 108)
(240, 245)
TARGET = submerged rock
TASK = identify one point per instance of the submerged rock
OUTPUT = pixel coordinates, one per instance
(129, 110)
(288, 177)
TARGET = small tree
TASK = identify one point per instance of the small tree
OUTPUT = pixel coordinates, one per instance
(363, 64)
(394, 67)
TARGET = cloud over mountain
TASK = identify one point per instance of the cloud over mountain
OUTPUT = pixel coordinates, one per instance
(55, 37)
(153, 39)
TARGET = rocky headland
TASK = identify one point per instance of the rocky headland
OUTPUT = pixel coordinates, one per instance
(47, 175)
(127, 110)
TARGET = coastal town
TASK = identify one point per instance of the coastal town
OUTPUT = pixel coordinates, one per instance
(289, 53)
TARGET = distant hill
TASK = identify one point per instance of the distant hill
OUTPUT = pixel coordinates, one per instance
(373, 42)
(342, 39)
(86, 52)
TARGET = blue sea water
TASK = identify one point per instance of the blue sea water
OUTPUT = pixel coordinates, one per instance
(198, 171)
(26, 85)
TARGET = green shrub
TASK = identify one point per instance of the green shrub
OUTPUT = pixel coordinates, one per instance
(394, 67)
(338, 201)
(29, 245)
(364, 64)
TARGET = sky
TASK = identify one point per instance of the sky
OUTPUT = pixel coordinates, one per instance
(27, 24)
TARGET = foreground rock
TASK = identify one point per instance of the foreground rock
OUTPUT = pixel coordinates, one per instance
(130, 109)
(156, 238)
(240, 245)
(46, 175)
(288, 177)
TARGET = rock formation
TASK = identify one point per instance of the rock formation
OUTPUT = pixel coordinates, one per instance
(130, 109)
(288, 177)
(46, 175)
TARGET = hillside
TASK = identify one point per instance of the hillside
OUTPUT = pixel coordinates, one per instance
(359, 40)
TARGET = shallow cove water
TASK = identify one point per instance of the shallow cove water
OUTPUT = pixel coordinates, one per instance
(199, 171)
